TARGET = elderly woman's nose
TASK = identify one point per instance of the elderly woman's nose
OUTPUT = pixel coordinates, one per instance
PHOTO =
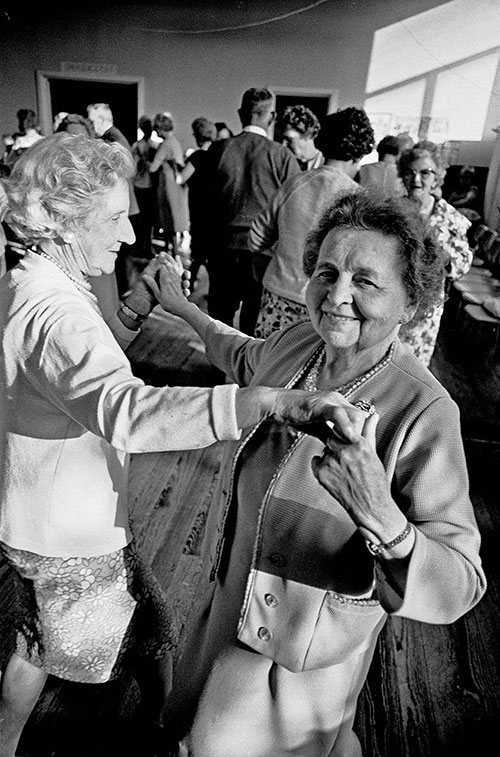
(340, 291)
(127, 233)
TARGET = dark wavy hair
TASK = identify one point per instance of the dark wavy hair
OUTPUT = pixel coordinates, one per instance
(388, 145)
(346, 135)
(301, 119)
(422, 261)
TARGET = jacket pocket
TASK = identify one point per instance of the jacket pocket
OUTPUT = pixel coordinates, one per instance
(305, 628)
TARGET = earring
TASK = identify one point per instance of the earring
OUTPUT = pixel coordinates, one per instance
(404, 319)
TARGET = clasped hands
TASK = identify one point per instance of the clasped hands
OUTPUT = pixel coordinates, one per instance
(146, 293)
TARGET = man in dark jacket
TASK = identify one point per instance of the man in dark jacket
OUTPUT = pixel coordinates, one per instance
(245, 172)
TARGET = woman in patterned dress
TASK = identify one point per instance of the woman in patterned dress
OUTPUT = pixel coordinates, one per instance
(422, 171)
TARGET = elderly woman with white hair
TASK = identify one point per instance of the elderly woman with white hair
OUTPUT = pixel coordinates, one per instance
(71, 412)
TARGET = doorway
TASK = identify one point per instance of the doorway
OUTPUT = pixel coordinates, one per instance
(58, 92)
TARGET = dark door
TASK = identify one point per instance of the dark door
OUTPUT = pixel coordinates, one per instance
(73, 96)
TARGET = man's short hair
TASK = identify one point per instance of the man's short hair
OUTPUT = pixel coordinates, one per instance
(255, 101)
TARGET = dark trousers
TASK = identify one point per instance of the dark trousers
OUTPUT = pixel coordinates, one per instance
(232, 283)
(145, 222)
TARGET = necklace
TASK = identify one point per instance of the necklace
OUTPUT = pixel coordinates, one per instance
(311, 381)
(80, 284)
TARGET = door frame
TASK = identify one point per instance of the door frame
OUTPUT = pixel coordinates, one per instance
(332, 95)
(44, 100)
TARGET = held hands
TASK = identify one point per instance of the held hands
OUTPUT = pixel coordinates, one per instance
(170, 284)
(142, 299)
(313, 411)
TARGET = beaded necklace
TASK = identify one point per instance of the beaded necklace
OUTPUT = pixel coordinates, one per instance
(81, 284)
(311, 381)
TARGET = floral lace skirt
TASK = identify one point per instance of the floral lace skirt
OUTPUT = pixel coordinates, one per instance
(276, 312)
(80, 618)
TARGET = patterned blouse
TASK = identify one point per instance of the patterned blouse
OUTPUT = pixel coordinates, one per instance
(447, 227)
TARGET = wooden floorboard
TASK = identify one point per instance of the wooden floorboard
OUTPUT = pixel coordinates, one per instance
(432, 690)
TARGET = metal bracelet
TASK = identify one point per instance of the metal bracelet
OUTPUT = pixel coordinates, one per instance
(378, 549)
(132, 314)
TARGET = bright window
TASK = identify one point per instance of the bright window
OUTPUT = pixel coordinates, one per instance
(462, 96)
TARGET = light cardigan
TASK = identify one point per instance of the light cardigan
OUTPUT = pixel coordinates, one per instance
(281, 229)
(71, 411)
(418, 441)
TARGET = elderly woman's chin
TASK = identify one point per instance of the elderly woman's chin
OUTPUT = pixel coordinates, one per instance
(339, 333)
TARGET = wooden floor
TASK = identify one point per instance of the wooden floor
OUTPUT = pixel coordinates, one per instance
(432, 691)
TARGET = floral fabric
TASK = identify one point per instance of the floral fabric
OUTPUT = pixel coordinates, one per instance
(80, 616)
(276, 312)
(447, 228)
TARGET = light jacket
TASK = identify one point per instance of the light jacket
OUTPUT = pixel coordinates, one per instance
(304, 622)
(71, 412)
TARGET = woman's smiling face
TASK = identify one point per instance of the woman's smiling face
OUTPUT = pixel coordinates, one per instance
(356, 297)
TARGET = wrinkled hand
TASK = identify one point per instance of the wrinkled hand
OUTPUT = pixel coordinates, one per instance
(315, 409)
(171, 286)
(142, 300)
(355, 476)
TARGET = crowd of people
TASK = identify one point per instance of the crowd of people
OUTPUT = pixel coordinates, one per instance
(343, 495)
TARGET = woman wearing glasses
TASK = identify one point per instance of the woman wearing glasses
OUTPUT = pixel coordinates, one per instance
(422, 171)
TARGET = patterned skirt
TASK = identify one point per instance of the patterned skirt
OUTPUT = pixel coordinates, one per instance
(81, 618)
(276, 312)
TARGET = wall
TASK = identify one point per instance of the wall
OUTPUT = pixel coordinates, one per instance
(327, 47)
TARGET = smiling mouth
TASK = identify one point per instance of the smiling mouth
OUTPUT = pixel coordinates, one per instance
(338, 317)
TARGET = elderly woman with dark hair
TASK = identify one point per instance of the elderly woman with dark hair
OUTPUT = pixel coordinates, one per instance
(315, 537)
(422, 170)
(300, 127)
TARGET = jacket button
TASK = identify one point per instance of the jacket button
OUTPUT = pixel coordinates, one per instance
(264, 633)
(277, 559)
(270, 600)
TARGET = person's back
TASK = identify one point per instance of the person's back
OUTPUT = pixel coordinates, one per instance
(249, 170)
(295, 208)
(280, 231)
(245, 172)
(383, 175)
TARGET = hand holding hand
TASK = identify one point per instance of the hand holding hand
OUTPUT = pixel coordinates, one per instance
(171, 285)
(314, 410)
(141, 299)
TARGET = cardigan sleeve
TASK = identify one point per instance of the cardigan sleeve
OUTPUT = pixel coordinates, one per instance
(76, 368)
(444, 577)
(236, 353)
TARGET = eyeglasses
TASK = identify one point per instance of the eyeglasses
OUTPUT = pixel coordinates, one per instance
(425, 173)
